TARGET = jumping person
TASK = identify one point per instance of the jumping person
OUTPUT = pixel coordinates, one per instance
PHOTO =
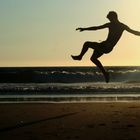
(116, 29)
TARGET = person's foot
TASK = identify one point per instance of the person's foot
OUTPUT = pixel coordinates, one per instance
(76, 57)
(107, 77)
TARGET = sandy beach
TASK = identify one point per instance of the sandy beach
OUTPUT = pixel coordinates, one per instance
(73, 121)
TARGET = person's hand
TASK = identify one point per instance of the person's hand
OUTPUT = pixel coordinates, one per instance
(80, 29)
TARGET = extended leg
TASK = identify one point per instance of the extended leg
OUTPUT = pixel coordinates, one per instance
(95, 60)
(86, 46)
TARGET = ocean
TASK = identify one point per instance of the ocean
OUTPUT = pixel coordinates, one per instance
(68, 84)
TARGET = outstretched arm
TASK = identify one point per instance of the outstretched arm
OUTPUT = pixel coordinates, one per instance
(132, 31)
(93, 28)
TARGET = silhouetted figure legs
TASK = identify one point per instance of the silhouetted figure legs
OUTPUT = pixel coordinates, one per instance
(94, 58)
(86, 46)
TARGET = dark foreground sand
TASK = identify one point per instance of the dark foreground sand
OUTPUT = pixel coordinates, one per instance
(76, 121)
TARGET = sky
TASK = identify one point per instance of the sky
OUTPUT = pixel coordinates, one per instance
(42, 32)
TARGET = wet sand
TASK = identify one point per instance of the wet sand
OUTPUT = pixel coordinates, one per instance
(75, 121)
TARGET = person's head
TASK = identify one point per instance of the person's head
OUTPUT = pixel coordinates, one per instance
(112, 16)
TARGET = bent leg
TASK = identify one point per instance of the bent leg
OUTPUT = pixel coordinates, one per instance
(86, 46)
(95, 60)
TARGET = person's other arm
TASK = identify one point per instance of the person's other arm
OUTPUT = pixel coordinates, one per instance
(132, 31)
(93, 28)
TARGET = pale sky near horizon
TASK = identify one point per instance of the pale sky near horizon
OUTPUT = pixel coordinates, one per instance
(42, 32)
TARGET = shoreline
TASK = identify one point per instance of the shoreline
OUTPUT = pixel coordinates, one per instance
(98, 121)
(69, 98)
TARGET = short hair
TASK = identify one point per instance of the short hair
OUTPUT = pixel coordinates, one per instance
(113, 14)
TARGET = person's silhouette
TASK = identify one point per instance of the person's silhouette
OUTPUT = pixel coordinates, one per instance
(116, 29)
